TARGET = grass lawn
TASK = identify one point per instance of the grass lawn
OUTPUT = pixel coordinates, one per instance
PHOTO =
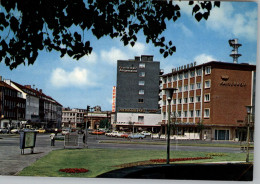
(99, 161)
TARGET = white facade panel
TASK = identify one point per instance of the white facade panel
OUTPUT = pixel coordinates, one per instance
(148, 119)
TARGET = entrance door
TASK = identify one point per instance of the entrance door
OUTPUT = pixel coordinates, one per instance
(221, 134)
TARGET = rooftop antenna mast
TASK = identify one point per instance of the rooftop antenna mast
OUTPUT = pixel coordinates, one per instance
(234, 53)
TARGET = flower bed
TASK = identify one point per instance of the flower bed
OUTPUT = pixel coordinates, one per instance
(179, 159)
(74, 170)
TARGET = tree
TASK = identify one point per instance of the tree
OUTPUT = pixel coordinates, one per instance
(200, 127)
(30, 26)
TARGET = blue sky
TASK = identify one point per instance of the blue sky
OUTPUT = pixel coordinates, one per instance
(89, 81)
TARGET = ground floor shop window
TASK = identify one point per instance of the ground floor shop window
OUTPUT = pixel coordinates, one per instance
(221, 134)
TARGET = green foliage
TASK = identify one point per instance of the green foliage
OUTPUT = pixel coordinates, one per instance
(104, 123)
(30, 26)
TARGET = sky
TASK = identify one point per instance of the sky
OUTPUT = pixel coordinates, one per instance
(89, 81)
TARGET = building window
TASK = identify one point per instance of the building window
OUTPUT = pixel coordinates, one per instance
(207, 97)
(140, 100)
(191, 86)
(179, 100)
(174, 78)
(206, 113)
(191, 99)
(185, 100)
(141, 83)
(142, 74)
(198, 72)
(207, 84)
(141, 92)
(186, 75)
(197, 113)
(192, 73)
(141, 119)
(174, 101)
(180, 76)
(141, 65)
(180, 89)
(179, 114)
(198, 85)
(169, 79)
(197, 98)
(186, 88)
(185, 114)
(191, 114)
(207, 70)
(164, 115)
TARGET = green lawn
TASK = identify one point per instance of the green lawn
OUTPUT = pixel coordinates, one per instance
(99, 161)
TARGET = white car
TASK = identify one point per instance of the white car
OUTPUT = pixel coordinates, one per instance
(146, 133)
(14, 131)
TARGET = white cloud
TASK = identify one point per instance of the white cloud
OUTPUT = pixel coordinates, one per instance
(138, 49)
(123, 53)
(78, 77)
(113, 55)
(204, 58)
(226, 20)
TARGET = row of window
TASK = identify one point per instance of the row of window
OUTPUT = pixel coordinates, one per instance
(190, 74)
(191, 99)
(192, 86)
(190, 114)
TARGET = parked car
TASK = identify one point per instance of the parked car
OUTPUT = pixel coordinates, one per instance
(15, 131)
(125, 135)
(41, 130)
(136, 136)
(97, 132)
(65, 131)
(117, 134)
(146, 133)
(111, 134)
(3, 130)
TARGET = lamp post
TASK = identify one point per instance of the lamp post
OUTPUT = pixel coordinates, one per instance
(248, 109)
(169, 93)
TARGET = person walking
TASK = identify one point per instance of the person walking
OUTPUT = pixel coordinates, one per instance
(52, 139)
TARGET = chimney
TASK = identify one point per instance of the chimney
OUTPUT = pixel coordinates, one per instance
(28, 86)
(0, 78)
(40, 90)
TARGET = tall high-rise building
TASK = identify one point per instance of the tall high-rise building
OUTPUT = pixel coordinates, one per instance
(137, 94)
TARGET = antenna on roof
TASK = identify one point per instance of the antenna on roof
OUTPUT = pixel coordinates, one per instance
(234, 53)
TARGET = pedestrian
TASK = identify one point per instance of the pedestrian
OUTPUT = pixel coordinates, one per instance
(52, 139)
(84, 137)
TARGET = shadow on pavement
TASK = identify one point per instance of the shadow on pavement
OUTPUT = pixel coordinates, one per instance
(214, 171)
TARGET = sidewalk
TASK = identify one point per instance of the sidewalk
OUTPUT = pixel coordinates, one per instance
(11, 160)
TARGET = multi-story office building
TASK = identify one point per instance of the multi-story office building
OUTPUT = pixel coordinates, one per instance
(213, 94)
(137, 94)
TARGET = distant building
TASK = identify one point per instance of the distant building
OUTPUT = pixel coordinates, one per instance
(73, 117)
(137, 94)
(39, 110)
(214, 94)
(12, 106)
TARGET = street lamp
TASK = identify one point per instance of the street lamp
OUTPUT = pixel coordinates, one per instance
(169, 93)
(248, 109)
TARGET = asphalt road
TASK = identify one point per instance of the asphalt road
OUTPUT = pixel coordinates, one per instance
(11, 160)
